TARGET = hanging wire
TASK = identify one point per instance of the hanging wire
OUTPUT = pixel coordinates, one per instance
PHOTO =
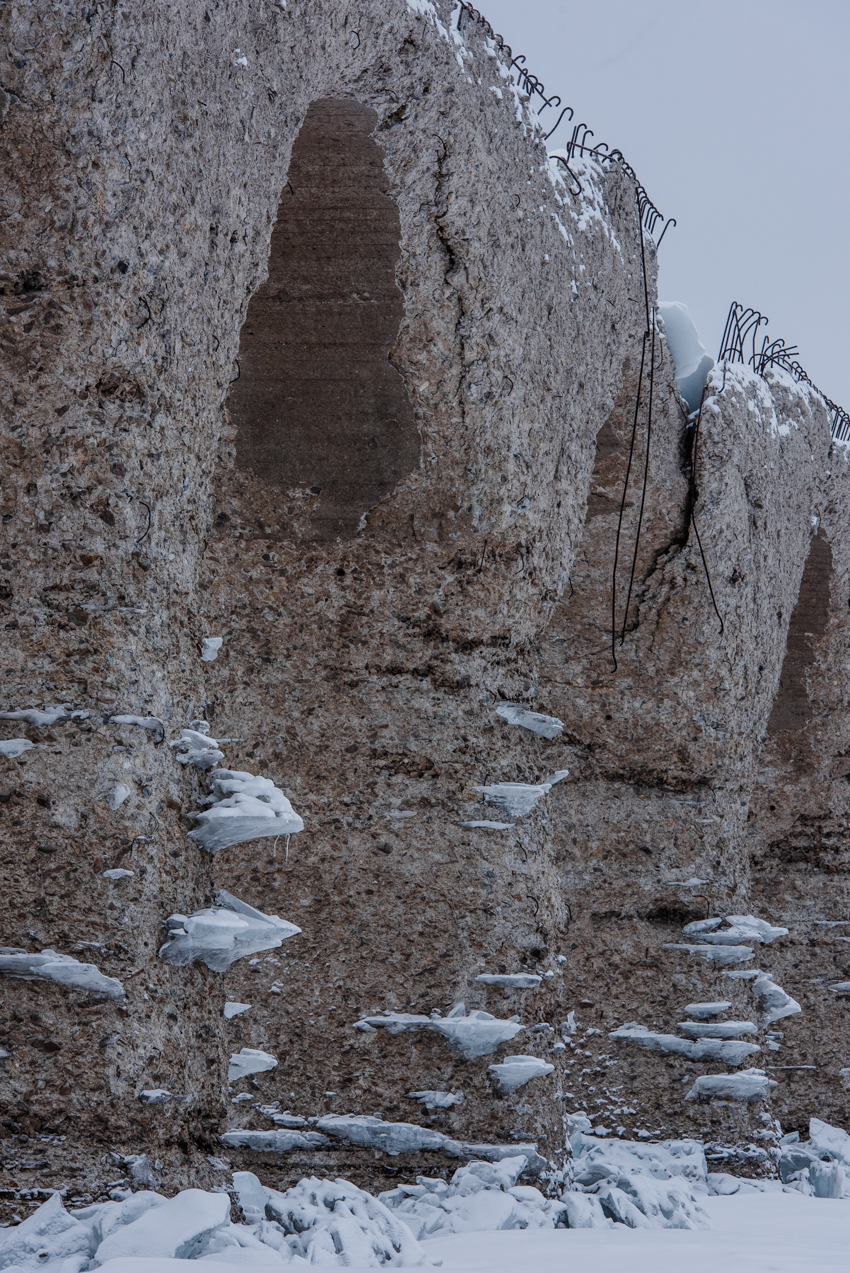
(646, 337)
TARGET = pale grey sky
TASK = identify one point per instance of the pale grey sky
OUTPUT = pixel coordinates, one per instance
(735, 115)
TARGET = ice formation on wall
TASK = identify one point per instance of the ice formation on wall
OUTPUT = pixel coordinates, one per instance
(155, 1096)
(249, 1061)
(279, 1141)
(690, 357)
(746, 1085)
(516, 714)
(437, 1100)
(245, 808)
(373, 1133)
(511, 980)
(742, 928)
(775, 1004)
(196, 748)
(44, 719)
(63, 969)
(11, 748)
(221, 934)
(475, 1034)
(487, 826)
(116, 873)
(515, 1071)
(516, 799)
(117, 795)
(714, 954)
(234, 1010)
(703, 1011)
(144, 722)
(733, 1052)
(716, 1029)
(210, 647)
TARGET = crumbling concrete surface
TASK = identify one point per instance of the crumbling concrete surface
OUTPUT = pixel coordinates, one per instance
(377, 594)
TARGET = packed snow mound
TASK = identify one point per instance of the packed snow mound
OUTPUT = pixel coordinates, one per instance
(63, 969)
(475, 1034)
(516, 714)
(221, 934)
(244, 807)
(177, 1228)
(47, 1236)
(329, 1223)
(690, 357)
(641, 1185)
(819, 1166)
(11, 748)
(481, 1197)
(516, 799)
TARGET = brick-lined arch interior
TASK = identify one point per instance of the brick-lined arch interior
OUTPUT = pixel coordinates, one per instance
(318, 407)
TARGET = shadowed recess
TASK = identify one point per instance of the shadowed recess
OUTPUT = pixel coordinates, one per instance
(321, 413)
(791, 708)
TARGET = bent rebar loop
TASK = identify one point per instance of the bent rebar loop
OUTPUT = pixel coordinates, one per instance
(741, 325)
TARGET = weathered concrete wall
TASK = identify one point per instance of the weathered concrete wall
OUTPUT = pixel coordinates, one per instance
(799, 817)
(665, 747)
(362, 675)
(370, 626)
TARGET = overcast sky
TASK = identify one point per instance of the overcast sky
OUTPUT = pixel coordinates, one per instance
(735, 115)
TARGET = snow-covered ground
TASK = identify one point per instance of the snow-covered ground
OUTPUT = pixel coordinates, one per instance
(617, 1205)
(758, 1233)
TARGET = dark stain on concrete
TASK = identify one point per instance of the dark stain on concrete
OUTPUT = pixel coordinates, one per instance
(318, 406)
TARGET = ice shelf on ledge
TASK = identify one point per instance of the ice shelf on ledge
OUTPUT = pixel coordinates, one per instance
(244, 807)
(249, 1061)
(714, 954)
(733, 1052)
(221, 934)
(152, 723)
(510, 980)
(515, 1071)
(742, 928)
(746, 1086)
(516, 799)
(63, 969)
(475, 1034)
(536, 722)
(702, 1011)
